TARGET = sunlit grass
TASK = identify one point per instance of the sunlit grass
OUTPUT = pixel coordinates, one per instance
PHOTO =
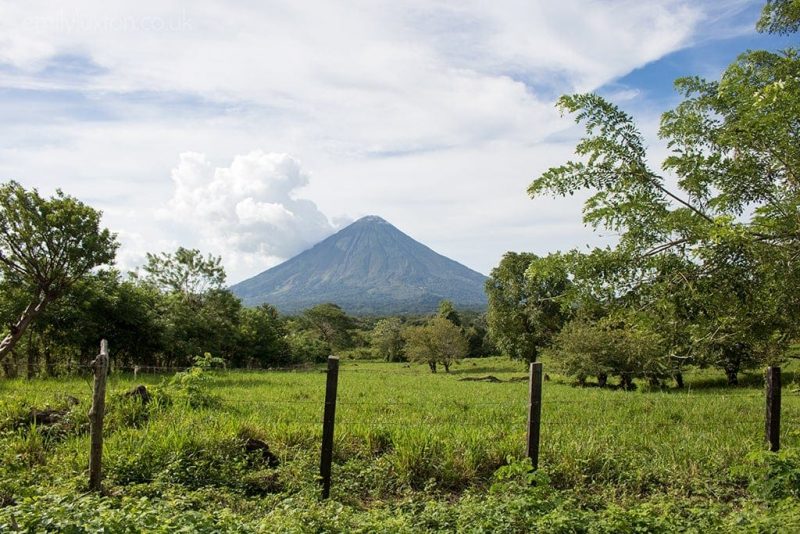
(426, 429)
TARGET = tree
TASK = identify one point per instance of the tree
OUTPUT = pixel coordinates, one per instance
(780, 16)
(46, 245)
(387, 338)
(101, 305)
(448, 311)
(305, 346)
(331, 323)
(205, 323)
(728, 232)
(622, 346)
(185, 271)
(196, 314)
(525, 309)
(437, 342)
(262, 337)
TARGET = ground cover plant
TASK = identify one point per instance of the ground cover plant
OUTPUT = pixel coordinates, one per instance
(414, 452)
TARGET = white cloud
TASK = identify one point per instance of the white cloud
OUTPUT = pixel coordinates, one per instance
(249, 212)
(431, 113)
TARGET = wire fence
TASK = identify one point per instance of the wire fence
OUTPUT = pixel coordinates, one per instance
(540, 413)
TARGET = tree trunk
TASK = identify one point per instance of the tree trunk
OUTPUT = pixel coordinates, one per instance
(733, 376)
(446, 367)
(30, 371)
(626, 381)
(602, 380)
(17, 329)
(654, 381)
(432, 365)
(9, 367)
(679, 380)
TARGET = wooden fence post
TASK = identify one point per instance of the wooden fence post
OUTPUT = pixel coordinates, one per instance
(534, 413)
(328, 421)
(773, 420)
(96, 414)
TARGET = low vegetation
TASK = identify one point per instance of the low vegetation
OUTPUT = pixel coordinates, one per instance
(413, 452)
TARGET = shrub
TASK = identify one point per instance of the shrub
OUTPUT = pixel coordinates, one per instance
(613, 346)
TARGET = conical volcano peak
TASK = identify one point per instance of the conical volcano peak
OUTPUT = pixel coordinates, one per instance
(368, 267)
(371, 219)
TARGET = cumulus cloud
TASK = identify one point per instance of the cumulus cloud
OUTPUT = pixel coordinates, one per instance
(423, 111)
(249, 211)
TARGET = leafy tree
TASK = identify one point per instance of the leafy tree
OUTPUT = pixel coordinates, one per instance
(262, 337)
(387, 338)
(437, 342)
(478, 341)
(102, 305)
(721, 240)
(780, 16)
(208, 323)
(525, 309)
(185, 271)
(306, 346)
(196, 314)
(46, 245)
(448, 311)
(622, 346)
(331, 323)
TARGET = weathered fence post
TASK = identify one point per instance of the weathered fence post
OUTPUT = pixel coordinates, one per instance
(96, 414)
(773, 420)
(328, 421)
(534, 413)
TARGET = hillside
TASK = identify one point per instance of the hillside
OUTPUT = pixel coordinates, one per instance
(369, 267)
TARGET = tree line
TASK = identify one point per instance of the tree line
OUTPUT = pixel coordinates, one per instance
(59, 296)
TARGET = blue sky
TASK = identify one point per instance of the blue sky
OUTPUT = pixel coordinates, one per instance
(253, 129)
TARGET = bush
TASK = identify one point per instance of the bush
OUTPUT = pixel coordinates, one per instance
(192, 385)
(306, 347)
(613, 346)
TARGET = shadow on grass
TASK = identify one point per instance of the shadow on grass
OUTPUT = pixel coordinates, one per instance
(484, 369)
(754, 380)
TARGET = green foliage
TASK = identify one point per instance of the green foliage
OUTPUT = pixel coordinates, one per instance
(388, 340)
(772, 476)
(780, 16)
(262, 338)
(331, 324)
(517, 474)
(185, 271)
(713, 262)
(613, 346)
(101, 305)
(437, 342)
(46, 245)
(192, 385)
(448, 311)
(305, 346)
(525, 308)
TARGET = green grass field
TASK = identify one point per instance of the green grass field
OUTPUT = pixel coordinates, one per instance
(414, 451)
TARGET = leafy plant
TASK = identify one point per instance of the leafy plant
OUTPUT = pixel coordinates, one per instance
(192, 385)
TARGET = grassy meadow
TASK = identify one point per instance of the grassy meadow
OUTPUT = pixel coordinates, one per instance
(414, 451)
